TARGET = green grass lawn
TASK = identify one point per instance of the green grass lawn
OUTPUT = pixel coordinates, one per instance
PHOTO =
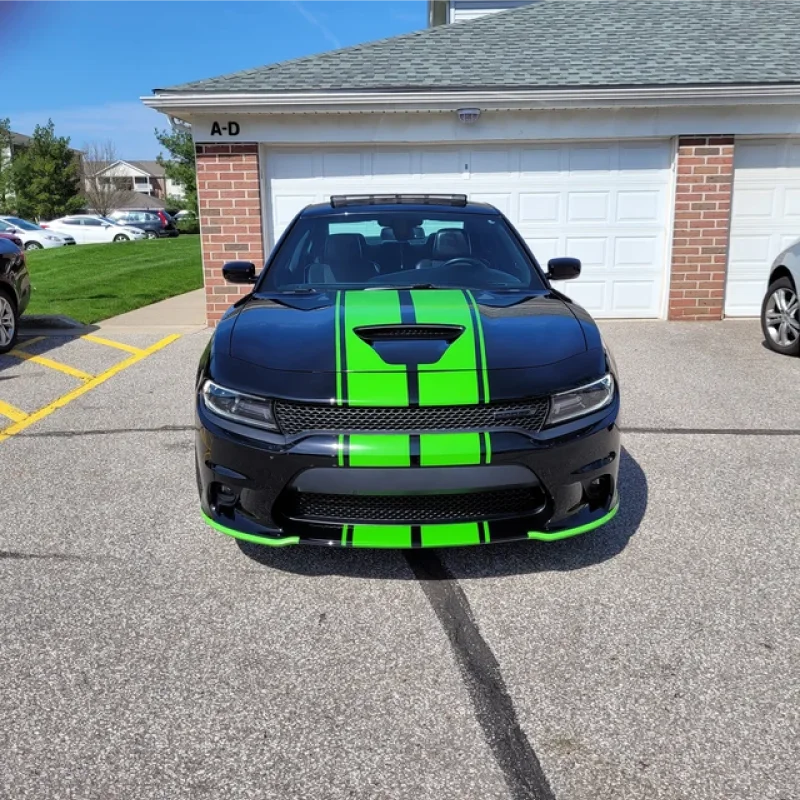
(91, 282)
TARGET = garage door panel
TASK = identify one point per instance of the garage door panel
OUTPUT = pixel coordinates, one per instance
(540, 161)
(589, 294)
(643, 158)
(765, 218)
(639, 206)
(605, 203)
(591, 251)
(441, 163)
(583, 158)
(631, 295)
(636, 252)
(754, 203)
(539, 207)
(397, 165)
(587, 206)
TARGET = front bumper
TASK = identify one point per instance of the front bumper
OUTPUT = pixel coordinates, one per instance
(270, 489)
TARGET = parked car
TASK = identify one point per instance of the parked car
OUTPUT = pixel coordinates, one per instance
(12, 237)
(90, 229)
(34, 237)
(430, 392)
(780, 310)
(15, 292)
(184, 214)
(155, 224)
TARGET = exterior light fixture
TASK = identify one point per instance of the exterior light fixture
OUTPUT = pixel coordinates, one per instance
(468, 115)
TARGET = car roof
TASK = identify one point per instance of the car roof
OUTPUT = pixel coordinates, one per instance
(387, 207)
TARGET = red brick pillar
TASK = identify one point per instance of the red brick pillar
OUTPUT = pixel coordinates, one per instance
(702, 227)
(229, 196)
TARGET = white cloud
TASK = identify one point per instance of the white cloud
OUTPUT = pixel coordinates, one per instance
(129, 125)
(317, 23)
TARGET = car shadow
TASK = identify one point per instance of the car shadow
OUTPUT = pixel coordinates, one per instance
(493, 561)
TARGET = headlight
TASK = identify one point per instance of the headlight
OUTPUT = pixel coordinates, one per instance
(52, 238)
(581, 401)
(240, 407)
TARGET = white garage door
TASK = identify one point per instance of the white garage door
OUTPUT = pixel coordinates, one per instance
(765, 218)
(605, 203)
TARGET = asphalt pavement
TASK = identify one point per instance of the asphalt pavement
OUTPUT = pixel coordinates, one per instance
(143, 655)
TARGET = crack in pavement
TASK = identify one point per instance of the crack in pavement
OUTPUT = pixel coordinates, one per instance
(102, 432)
(717, 431)
(480, 670)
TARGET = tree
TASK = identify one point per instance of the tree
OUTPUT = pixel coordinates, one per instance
(103, 193)
(180, 166)
(46, 176)
(6, 153)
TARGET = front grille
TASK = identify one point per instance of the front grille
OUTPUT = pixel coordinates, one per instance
(295, 418)
(417, 509)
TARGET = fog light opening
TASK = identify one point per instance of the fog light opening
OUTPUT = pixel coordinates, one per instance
(598, 491)
(223, 496)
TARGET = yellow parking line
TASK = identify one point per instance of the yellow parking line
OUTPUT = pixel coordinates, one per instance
(128, 348)
(46, 362)
(12, 412)
(94, 382)
(29, 342)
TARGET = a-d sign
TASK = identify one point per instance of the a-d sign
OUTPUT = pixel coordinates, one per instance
(232, 128)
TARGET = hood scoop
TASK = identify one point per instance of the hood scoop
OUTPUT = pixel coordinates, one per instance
(372, 334)
(409, 344)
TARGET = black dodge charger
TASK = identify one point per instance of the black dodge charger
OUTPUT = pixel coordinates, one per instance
(403, 374)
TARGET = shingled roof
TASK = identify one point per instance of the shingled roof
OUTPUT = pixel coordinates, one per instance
(554, 44)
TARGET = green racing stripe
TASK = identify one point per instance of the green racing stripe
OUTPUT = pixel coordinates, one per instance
(364, 379)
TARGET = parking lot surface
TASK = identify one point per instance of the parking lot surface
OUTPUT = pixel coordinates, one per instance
(143, 655)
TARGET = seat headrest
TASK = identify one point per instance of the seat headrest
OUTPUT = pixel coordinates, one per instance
(342, 247)
(450, 243)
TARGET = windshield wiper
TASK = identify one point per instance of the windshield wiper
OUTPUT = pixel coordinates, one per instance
(409, 286)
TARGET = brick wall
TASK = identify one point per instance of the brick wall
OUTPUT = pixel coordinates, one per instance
(230, 218)
(702, 226)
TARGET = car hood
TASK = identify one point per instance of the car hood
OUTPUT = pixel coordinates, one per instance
(376, 331)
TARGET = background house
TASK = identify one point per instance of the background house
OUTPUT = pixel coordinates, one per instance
(442, 12)
(140, 177)
(656, 140)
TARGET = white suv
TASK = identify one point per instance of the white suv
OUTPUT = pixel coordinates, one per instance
(33, 237)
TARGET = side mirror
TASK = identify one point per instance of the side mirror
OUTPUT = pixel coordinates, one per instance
(563, 269)
(239, 272)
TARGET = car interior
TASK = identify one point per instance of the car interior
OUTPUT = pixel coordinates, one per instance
(402, 249)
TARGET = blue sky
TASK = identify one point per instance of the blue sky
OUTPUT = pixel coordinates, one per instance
(85, 64)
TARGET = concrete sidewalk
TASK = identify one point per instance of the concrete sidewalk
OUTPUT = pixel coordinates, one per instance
(184, 313)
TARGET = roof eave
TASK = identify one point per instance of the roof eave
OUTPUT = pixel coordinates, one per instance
(377, 101)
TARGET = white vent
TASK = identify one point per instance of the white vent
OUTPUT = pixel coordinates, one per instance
(462, 10)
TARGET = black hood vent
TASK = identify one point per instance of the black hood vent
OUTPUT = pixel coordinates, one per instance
(393, 333)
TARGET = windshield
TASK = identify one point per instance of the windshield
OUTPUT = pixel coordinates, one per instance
(22, 224)
(399, 249)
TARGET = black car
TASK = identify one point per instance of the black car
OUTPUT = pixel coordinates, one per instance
(156, 224)
(15, 292)
(405, 391)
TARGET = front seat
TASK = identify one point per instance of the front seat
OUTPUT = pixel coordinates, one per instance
(448, 243)
(344, 261)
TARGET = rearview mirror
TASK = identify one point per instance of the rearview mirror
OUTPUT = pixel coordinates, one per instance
(563, 269)
(239, 272)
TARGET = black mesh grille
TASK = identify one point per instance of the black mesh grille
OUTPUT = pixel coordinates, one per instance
(418, 509)
(300, 418)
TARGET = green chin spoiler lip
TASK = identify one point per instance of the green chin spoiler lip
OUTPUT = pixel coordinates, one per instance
(398, 537)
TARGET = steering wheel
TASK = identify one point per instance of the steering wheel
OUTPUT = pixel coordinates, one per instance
(464, 261)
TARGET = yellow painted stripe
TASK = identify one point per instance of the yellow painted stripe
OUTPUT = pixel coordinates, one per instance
(88, 386)
(29, 342)
(12, 412)
(128, 348)
(47, 362)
